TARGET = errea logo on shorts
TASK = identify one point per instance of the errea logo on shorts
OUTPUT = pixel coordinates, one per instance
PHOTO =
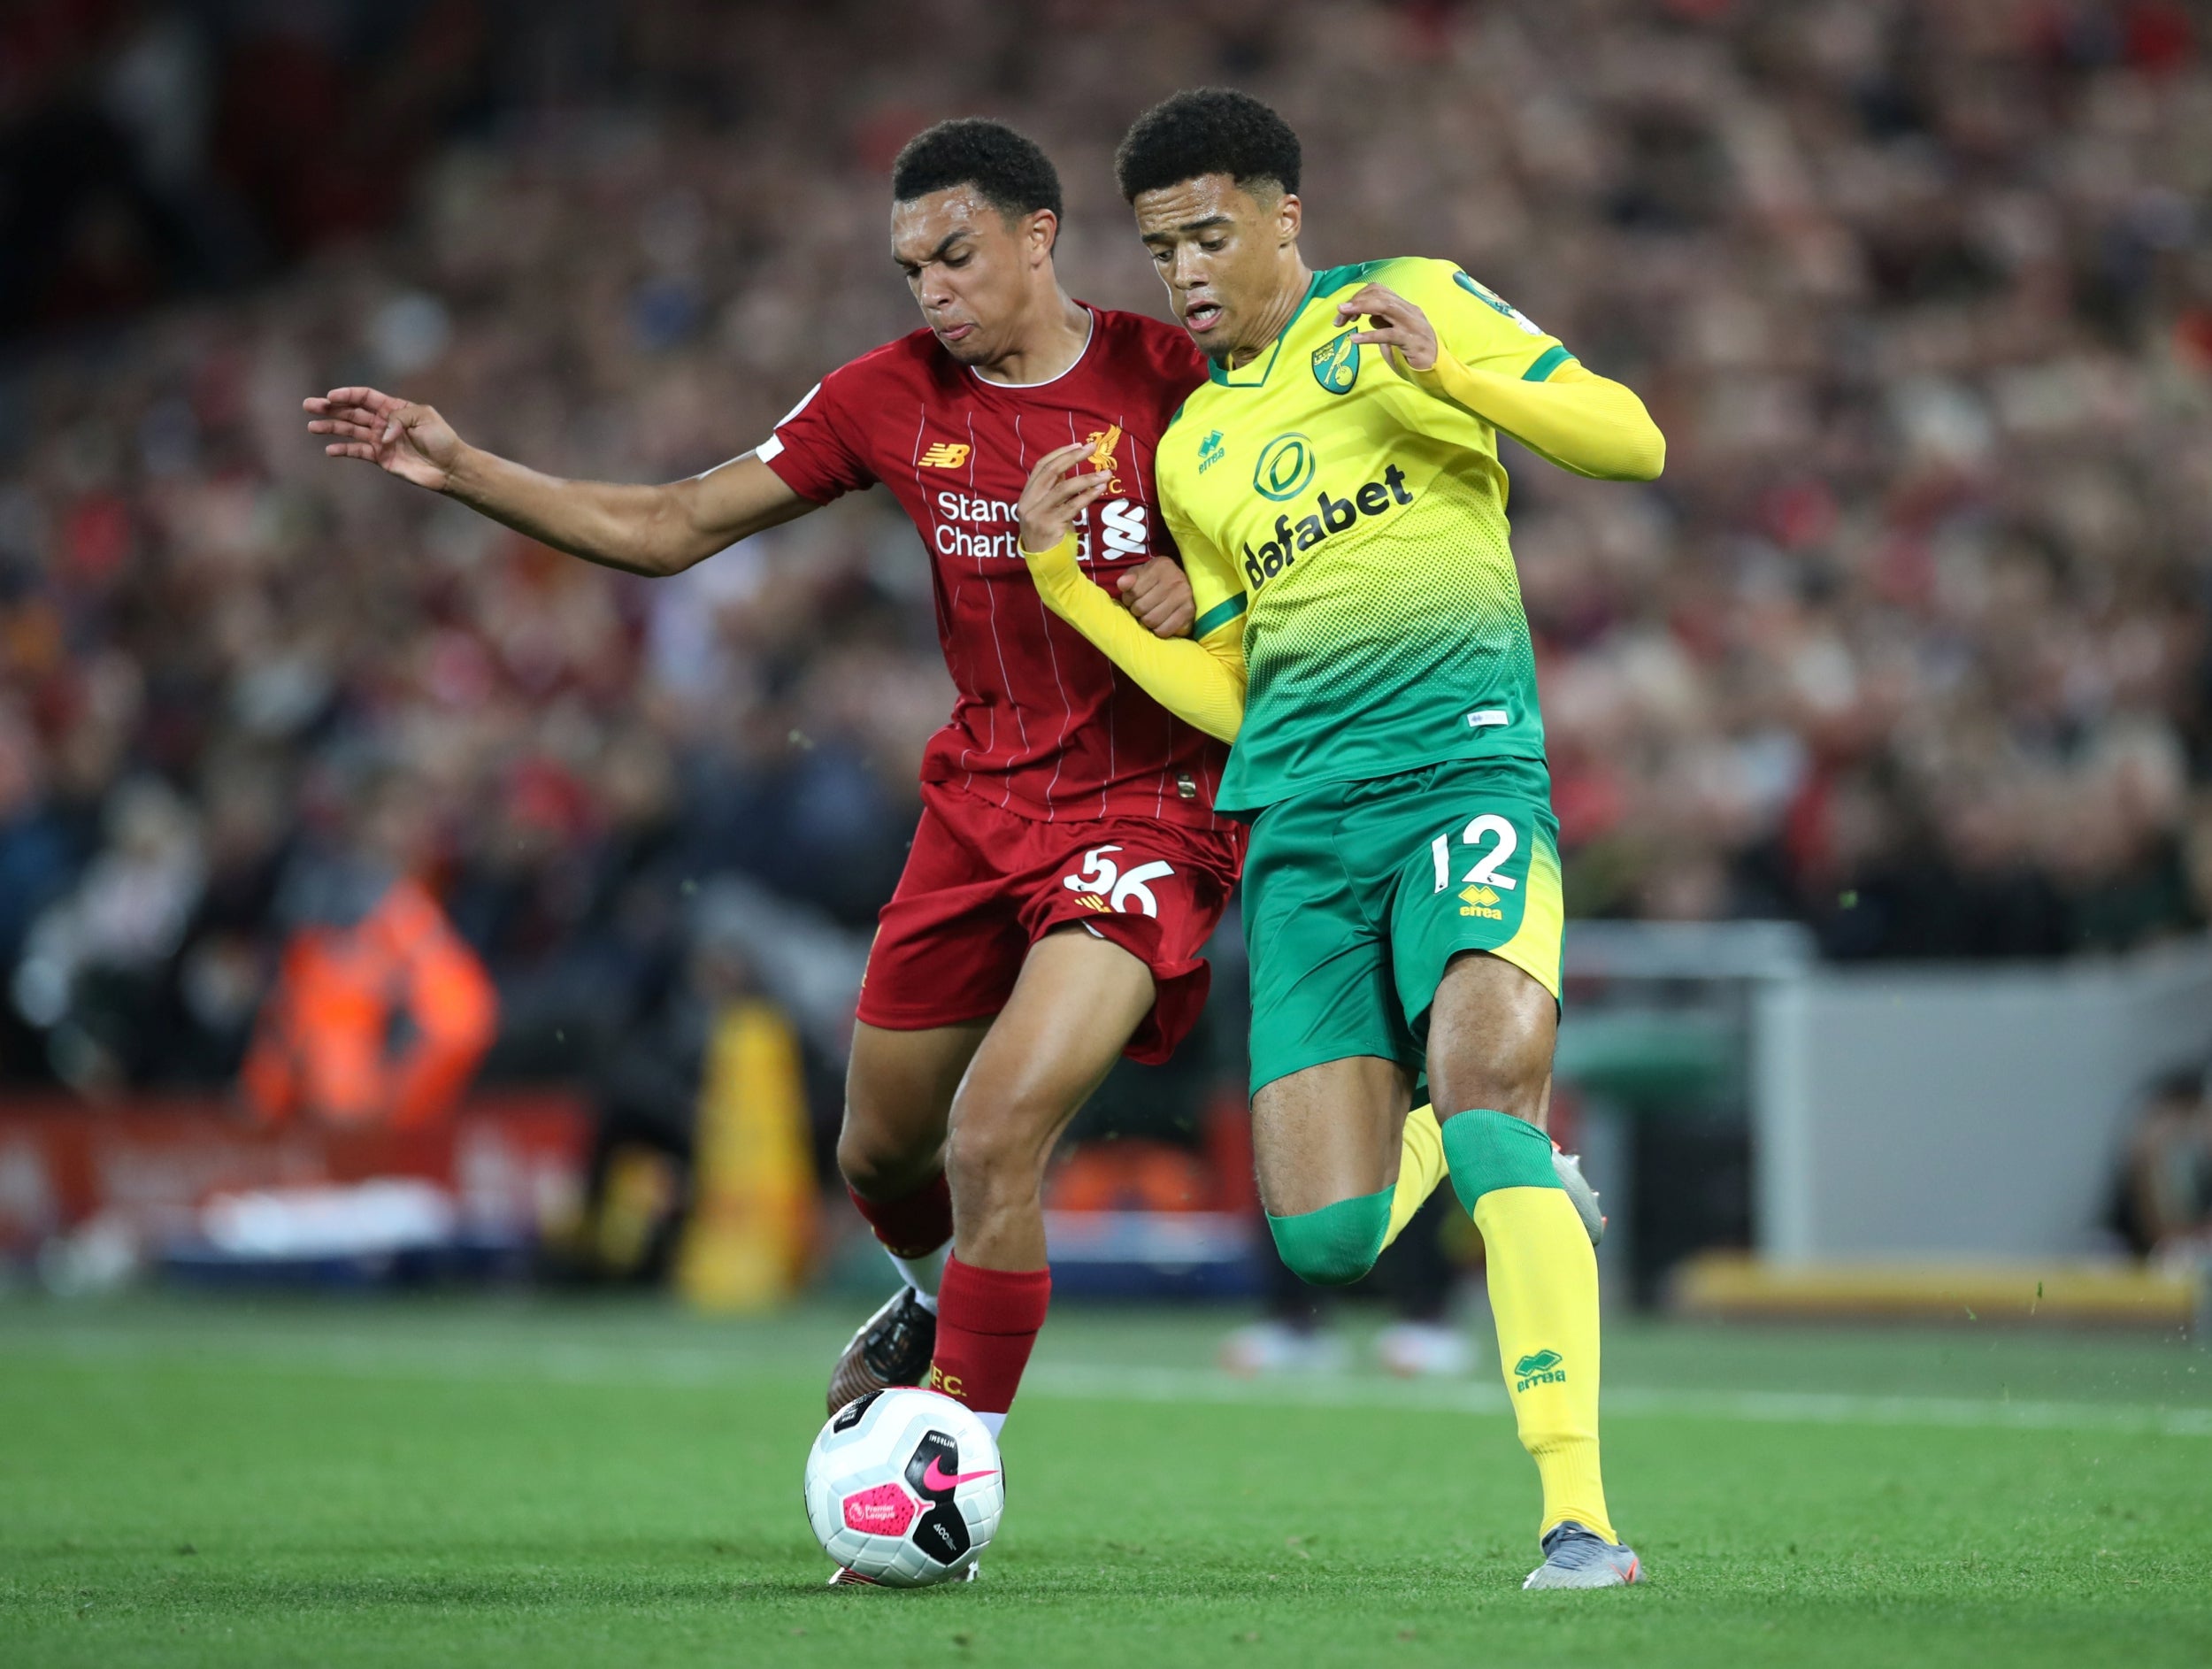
(945, 455)
(1478, 900)
(1106, 890)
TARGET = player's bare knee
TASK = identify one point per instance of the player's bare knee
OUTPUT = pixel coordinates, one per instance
(1490, 1037)
(991, 1156)
(876, 1165)
(861, 1163)
(1513, 1088)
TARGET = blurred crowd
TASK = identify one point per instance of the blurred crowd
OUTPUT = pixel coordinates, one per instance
(1910, 643)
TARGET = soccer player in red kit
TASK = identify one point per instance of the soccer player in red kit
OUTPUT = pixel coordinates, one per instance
(1069, 864)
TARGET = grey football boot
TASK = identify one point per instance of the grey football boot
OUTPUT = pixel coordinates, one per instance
(1577, 1558)
(1568, 1168)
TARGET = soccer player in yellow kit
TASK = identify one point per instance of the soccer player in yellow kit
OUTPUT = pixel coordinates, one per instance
(1336, 490)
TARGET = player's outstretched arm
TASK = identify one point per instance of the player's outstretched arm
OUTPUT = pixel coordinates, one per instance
(1585, 423)
(1200, 681)
(641, 529)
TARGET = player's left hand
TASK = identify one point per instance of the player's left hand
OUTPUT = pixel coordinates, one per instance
(1158, 594)
(1393, 321)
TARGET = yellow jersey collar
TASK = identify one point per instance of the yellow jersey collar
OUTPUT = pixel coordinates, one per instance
(1327, 282)
(1221, 376)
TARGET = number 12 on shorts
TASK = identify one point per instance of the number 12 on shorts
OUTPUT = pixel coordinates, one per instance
(1495, 842)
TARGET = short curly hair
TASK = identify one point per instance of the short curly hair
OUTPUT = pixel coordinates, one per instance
(1206, 130)
(1014, 175)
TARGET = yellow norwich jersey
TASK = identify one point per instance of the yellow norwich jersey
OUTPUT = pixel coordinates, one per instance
(1361, 521)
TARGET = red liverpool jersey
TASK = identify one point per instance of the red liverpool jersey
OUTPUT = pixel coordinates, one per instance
(1044, 725)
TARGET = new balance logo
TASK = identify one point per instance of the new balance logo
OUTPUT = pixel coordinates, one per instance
(1543, 1367)
(945, 455)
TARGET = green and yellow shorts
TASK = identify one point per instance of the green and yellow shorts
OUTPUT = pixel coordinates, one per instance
(1357, 894)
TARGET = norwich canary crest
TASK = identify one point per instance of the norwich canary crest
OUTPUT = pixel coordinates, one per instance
(1336, 366)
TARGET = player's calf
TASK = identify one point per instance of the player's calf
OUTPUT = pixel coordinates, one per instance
(995, 1160)
(1324, 1137)
(996, 1287)
(890, 1152)
(1077, 1004)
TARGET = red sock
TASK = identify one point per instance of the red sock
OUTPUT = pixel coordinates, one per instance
(986, 1322)
(914, 1225)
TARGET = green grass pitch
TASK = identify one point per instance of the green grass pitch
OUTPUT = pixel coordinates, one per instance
(533, 1484)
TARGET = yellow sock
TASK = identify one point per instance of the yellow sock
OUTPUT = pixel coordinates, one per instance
(1420, 1168)
(1544, 1296)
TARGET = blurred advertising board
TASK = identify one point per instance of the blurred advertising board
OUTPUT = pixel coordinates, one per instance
(512, 1161)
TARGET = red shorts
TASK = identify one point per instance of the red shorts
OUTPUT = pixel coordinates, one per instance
(983, 885)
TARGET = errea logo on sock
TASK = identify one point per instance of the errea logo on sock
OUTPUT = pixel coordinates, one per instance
(1543, 1367)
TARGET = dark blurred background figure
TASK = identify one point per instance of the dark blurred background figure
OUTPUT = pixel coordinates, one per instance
(95, 961)
(702, 1163)
(2162, 1198)
(378, 1013)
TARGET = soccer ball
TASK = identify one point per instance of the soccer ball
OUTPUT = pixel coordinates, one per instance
(904, 1487)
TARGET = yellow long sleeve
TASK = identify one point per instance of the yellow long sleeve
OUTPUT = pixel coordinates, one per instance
(1201, 683)
(1585, 423)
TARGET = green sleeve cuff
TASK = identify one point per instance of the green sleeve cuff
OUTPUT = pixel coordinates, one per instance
(1546, 362)
(1216, 616)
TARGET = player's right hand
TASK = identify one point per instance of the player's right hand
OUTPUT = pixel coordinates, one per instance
(1056, 495)
(1158, 594)
(412, 442)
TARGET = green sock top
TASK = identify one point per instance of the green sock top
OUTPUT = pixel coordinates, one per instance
(1337, 1244)
(1490, 1151)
